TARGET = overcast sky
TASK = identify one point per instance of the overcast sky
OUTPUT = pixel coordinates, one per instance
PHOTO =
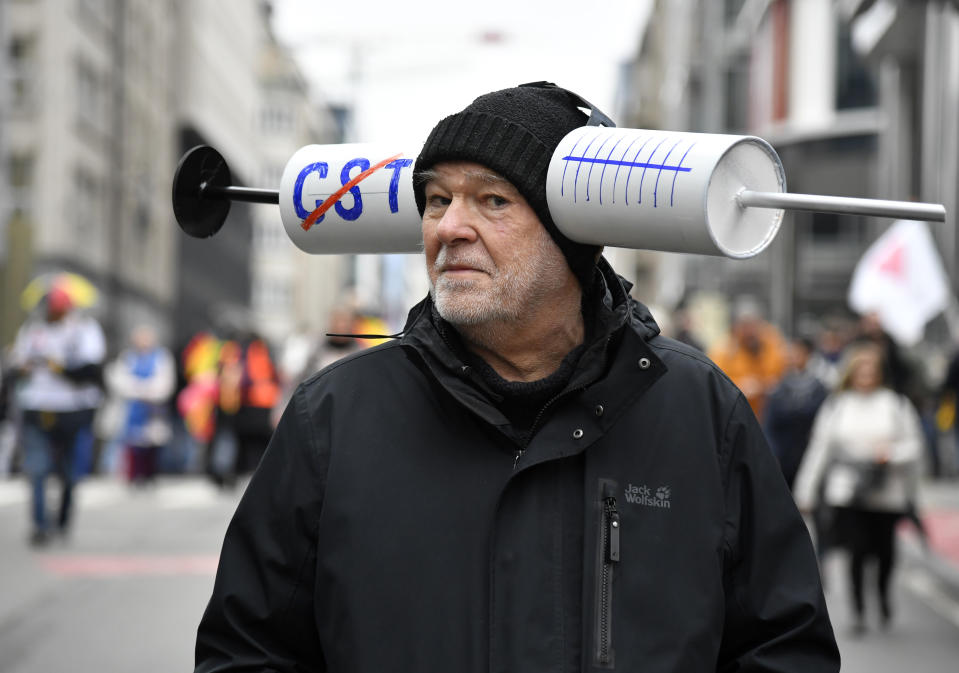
(405, 64)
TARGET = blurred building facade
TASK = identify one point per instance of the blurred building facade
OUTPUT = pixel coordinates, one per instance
(291, 289)
(100, 99)
(858, 98)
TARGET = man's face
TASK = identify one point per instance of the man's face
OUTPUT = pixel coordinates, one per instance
(488, 256)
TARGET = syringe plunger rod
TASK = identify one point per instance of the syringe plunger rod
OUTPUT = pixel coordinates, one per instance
(246, 194)
(910, 210)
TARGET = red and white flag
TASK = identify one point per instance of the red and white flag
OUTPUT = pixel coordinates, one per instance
(901, 278)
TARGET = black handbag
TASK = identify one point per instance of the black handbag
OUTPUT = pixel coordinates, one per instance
(872, 477)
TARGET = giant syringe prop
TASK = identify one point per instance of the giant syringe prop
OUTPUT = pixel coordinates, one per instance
(700, 193)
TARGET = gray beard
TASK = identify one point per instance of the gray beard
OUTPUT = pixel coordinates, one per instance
(485, 312)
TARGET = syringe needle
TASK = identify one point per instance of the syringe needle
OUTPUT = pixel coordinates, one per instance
(932, 212)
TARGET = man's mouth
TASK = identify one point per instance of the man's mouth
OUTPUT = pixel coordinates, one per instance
(455, 268)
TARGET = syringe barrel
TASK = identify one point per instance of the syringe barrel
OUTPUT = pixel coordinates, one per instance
(657, 190)
(664, 190)
(701, 193)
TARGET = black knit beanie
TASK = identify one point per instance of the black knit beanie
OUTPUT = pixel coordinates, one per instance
(513, 132)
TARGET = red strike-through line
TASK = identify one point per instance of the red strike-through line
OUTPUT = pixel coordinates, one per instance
(338, 194)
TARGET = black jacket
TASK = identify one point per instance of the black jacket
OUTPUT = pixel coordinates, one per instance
(396, 524)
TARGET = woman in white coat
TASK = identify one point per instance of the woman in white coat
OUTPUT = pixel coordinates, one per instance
(863, 460)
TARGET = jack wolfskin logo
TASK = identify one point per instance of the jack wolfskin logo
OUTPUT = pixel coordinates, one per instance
(643, 495)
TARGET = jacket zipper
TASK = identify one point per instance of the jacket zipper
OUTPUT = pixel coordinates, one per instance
(539, 416)
(610, 555)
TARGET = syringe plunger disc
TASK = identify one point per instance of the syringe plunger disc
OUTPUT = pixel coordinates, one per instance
(201, 167)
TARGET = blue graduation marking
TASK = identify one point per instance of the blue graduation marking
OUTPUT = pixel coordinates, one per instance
(562, 184)
(659, 175)
(594, 158)
(642, 178)
(589, 177)
(576, 177)
(602, 176)
(629, 175)
(676, 174)
(618, 168)
(634, 164)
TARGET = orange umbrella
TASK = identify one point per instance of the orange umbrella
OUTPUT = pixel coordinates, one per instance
(81, 291)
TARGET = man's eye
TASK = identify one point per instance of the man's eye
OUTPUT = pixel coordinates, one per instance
(437, 201)
(497, 201)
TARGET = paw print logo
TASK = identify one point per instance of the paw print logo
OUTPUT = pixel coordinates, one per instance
(662, 493)
(644, 491)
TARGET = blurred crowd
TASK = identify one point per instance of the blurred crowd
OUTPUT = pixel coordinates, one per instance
(71, 406)
(854, 421)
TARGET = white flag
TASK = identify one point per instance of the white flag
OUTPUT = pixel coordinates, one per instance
(901, 278)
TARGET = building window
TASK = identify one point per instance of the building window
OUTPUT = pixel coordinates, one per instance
(21, 66)
(20, 167)
(85, 210)
(272, 294)
(855, 80)
(276, 119)
(141, 221)
(21, 170)
(90, 95)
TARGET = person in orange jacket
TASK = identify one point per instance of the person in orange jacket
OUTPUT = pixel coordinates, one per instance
(754, 355)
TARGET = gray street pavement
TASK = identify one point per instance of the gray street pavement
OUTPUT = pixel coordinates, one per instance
(126, 591)
(923, 636)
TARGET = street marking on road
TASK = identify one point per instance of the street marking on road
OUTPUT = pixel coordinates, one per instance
(97, 494)
(103, 492)
(13, 493)
(188, 496)
(113, 566)
(929, 591)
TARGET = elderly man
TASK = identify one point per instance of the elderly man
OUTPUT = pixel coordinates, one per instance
(529, 479)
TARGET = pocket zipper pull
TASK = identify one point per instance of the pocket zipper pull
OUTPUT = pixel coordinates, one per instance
(614, 525)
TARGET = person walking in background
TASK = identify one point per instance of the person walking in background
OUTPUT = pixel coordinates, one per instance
(825, 359)
(305, 353)
(337, 342)
(9, 416)
(248, 391)
(753, 355)
(898, 372)
(683, 328)
(59, 359)
(864, 458)
(791, 409)
(196, 401)
(947, 405)
(143, 376)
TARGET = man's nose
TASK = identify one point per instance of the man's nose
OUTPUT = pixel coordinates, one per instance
(457, 224)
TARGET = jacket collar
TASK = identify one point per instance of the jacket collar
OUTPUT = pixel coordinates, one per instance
(613, 310)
